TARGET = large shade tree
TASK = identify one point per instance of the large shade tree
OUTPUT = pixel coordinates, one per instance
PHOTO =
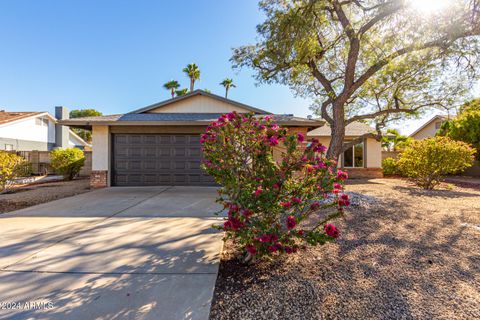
(373, 60)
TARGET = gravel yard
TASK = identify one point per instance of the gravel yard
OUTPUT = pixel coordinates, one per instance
(403, 253)
(39, 193)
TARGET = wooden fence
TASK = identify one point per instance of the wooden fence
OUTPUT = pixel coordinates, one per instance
(40, 161)
(390, 154)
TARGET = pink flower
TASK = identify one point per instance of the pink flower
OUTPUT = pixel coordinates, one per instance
(304, 159)
(320, 148)
(301, 233)
(315, 206)
(296, 200)
(300, 137)
(268, 118)
(337, 186)
(285, 204)
(263, 127)
(291, 222)
(273, 141)
(342, 175)
(259, 191)
(289, 250)
(251, 249)
(247, 213)
(275, 127)
(276, 186)
(231, 116)
(272, 249)
(331, 230)
(344, 201)
(310, 168)
(268, 238)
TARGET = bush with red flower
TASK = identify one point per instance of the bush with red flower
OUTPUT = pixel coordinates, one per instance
(267, 199)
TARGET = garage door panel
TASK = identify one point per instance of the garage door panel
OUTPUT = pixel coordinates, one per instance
(158, 159)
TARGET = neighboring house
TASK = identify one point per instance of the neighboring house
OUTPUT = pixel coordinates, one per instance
(364, 160)
(27, 131)
(429, 129)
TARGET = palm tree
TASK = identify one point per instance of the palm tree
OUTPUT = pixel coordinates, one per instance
(192, 71)
(172, 85)
(227, 83)
(181, 92)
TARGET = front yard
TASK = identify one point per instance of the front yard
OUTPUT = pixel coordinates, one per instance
(406, 253)
(31, 195)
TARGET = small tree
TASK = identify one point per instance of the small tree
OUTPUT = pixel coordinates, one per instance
(427, 161)
(466, 128)
(67, 162)
(12, 166)
(81, 113)
(268, 199)
(395, 141)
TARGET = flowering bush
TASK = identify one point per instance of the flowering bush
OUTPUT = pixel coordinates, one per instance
(268, 198)
(427, 161)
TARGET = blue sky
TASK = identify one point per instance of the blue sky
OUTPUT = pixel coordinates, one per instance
(114, 56)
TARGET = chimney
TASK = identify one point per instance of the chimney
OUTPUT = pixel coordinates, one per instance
(61, 132)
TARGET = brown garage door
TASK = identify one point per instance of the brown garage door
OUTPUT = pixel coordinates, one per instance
(158, 159)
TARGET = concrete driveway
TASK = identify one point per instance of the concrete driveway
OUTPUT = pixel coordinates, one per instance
(116, 253)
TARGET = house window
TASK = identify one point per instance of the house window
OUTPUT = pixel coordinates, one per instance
(9, 147)
(438, 125)
(353, 156)
(41, 122)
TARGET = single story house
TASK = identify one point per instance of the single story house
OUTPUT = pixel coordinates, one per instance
(364, 160)
(28, 131)
(429, 129)
(160, 144)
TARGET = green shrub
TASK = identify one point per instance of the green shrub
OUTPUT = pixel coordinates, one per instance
(389, 166)
(67, 162)
(12, 166)
(427, 161)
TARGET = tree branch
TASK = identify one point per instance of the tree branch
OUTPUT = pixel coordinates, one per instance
(391, 8)
(439, 43)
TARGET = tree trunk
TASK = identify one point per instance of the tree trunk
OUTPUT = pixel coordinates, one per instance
(173, 93)
(226, 93)
(192, 83)
(337, 131)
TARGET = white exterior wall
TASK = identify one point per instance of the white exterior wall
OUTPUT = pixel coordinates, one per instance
(428, 132)
(198, 104)
(100, 148)
(28, 130)
(74, 141)
(374, 153)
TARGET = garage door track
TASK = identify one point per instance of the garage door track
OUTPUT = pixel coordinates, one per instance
(116, 253)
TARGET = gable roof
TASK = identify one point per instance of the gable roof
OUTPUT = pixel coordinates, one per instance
(9, 117)
(184, 119)
(351, 130)
(437, 117)
(199, 93)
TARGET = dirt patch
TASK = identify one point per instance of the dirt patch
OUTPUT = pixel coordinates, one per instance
(411, 254)
(34, 194)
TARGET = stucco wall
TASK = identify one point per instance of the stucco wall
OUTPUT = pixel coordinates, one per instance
(374, 153)
(198, 104)
(427, 132)
(100, 148)
(373, 150)
(28, 130)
